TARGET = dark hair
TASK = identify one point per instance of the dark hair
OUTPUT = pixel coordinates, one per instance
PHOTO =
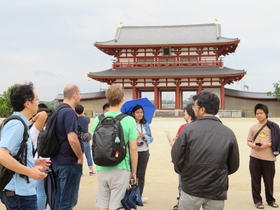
(135, 108)
(20, 94)
(190, 111)
(42, 105)
(209, 101)
(105, 106)
(262, 107)
(79, 109)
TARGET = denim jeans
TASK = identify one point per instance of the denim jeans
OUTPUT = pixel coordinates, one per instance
(41, 195)
(67, 185)
(87, 153)
(13, 201)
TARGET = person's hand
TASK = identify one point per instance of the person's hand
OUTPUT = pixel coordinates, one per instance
(265, 145)
(43, 162)
(133, 176)
(37, 174)
(80, 160)
(142, 135)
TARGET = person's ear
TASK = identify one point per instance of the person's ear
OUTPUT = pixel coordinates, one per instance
(27, 103)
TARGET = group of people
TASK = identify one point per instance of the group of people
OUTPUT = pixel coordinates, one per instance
(66, 166)
(204, 152)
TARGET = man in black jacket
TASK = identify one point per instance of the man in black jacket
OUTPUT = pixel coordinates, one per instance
(205, 153)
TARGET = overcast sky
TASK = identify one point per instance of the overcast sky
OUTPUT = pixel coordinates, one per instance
(50, 42)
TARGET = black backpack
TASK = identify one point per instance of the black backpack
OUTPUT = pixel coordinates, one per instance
(47, 143)
(6, 174)
(108, 146)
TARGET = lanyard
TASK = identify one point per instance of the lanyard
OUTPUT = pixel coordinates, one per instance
(141, 129)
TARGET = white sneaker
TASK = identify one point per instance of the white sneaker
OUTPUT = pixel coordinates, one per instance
(144, 199)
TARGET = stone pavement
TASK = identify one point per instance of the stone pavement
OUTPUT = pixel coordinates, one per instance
(162, 181)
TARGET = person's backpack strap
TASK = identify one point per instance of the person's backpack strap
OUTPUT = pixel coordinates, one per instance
(259, 132)
(101, 117)
(120, 116)
(15, 117)
(21, 156)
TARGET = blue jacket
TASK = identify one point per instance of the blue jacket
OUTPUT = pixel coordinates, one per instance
(148, 134)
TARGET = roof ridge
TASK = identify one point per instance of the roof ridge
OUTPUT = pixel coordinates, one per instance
(171, 26)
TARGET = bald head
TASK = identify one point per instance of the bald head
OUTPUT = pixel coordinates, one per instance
(69, 91)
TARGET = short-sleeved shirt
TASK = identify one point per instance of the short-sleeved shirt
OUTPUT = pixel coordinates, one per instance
(11, 138)
(67, 121)
(129, 131)
(83, 121)
(181, 128)
(263, 137)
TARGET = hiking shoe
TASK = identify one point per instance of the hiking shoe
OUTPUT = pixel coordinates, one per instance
(144, 199)
(176, 207)
(91, 173)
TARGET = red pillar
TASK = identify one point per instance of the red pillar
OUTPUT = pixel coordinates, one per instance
(134, 94)
(199, 82)
(222, 96)
(156, 95)
(177, 82)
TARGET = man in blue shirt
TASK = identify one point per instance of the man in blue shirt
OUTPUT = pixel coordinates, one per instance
(67, 164)
(18, 193)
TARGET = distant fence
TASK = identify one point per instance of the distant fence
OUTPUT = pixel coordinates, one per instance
(180, 113)
(175, 113)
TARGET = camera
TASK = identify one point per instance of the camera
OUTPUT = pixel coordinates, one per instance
(47, 170)
(140, 143)
(258, 144)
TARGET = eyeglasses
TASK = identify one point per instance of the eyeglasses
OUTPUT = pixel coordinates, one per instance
(35, 99)
(193, 106)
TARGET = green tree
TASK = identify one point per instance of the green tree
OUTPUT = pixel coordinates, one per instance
(6, 108)
(276, 92)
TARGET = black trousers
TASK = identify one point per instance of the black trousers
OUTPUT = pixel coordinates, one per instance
(143, 158)
(258, 169)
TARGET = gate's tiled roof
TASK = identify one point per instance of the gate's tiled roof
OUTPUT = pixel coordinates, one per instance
(164, 72)
(163, 35)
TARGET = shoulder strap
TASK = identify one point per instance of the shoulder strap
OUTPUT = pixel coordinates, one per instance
(62, 106)
(120, 116)
(258, 132)
(15, 117)
(101, 117)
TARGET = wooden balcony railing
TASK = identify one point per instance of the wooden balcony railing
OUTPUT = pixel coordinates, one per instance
(167, 64)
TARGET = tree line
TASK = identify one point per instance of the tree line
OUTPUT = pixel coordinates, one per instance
(6, 108)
